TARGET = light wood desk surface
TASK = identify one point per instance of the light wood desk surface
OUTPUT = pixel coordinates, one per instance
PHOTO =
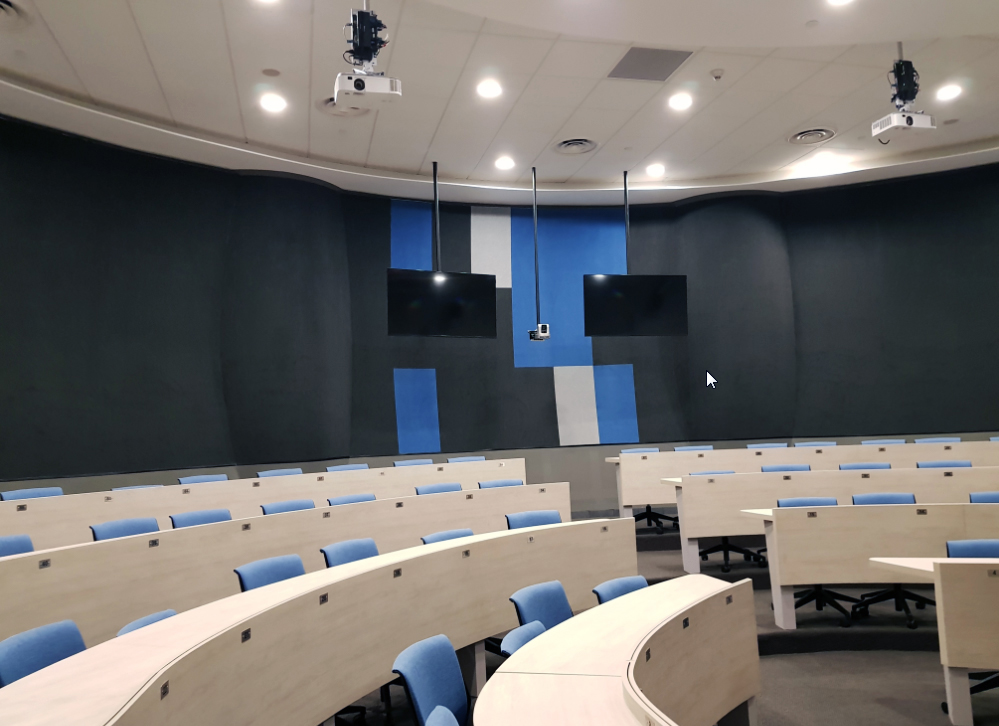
(59, 521)
(304, 658)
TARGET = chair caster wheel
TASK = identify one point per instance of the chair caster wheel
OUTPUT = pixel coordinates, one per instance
(660, 530)
(910, 624)
(761, 564)
(704, 557)
(676, 525)
(920, 606)
(746, 558)
(726, 568)
(944, 708)
(845, 623)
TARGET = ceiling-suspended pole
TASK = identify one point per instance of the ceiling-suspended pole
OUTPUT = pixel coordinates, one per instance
(537, 269)
(437, 223)
(627, 223)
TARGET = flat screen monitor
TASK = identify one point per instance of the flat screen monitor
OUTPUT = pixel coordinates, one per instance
(447, 304)
(635, 304)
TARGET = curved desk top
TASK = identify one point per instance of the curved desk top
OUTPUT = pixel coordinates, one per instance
(680, 652)
(297, 651)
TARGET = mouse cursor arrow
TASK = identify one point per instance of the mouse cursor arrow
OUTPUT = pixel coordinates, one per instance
(711, 380)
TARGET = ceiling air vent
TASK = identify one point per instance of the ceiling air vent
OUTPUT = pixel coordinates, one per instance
(811, 136)
(12, 16)
(326, 105)
(575, 146)
(649, 64)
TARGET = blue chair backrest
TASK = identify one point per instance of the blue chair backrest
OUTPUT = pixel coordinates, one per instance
(202, 516)
(699, 447)
(433, 678)
(712, 473)
(973, 548)
(952, 464)
(520, 636)
(938, 440)
(202, 478)
(438, 488)
(124, 528)
(351, 550)
(772, 468)
(815, 443)
(607, 591)
(649, 450)
(446, 535)
(766, 446)
(464, 459)
(985, 497)
(36, 493)
(279, 472)
(545, 601)
(519, 520)
(883, 442)
(347, 467)
(268, 571)
(858, 466)
(136, 486)
(15, 544)
(351, 499)
(994, 438)
(30, 651)
(884, 498)
(441, 716)
(148, 620)
(497, 483)
(412, 462)
(807, 502)
(292, 505)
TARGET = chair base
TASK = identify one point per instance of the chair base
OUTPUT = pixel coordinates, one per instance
(726, 548)
(823, 597)
(894, 593)
(652, 517)
(358, 712)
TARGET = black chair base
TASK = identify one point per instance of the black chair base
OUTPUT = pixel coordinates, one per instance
(894, 593)
(823, 597)
(358, 712)
(654, 518)
(726, 548)
(988, 680)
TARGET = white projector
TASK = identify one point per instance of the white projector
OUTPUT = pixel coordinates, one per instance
(542, 333)
(902, 121)
(361, 91)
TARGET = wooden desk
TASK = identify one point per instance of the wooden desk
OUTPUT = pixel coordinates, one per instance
(283, 655)
(66, 520)
(640, 475)
(103, 586)
(680, 652)
(834, 545)
(711, 506)
(967, 591)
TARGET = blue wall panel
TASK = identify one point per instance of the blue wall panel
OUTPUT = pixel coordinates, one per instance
(617, 416)
(416, 420)
(571, 243)
(412, 236)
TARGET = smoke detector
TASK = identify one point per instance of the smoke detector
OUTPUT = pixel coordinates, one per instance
(343, 110)
(575, 146)
(12, 16)
(811, 136)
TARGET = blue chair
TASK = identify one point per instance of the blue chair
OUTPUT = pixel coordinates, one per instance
(952, 464)
(607, 591)
(36, 493)
(438, 488)
(938, 440)
(446, 535)
(351, 550)
(809, 444)
(719, 472)
(430, 671)
(202, 516)
(498, 483)
(896, 593)
(464, 459)
(883, 442)
(649, 450)
(519, 637)
(700, 447)
(268, 571)
(766, 446)
(347, 467)
(291, 505)
(994, 438)
(148, 620)
(537, 518)
(124, 528)
(985, 497)
(15, 544)
(973, 548)
(807, 502)
(412, 462)
(30, 651)
(545, 601)
(136, 486)
(279, 472)
(441, 716)
(772, 468)
(202, 478)
(350, 499)
(860, 466)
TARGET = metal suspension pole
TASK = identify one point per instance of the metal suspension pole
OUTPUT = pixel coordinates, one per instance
(537, 270)
(437, 222)
(900, 56)
(627, 221)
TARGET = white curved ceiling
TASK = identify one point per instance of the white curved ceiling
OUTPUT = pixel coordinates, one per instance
(184, 78)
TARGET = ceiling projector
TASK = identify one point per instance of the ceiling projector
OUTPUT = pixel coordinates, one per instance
(364, 88)
(364, 91)
(905, 88)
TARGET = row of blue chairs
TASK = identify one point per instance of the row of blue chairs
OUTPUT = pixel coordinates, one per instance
(808, 444)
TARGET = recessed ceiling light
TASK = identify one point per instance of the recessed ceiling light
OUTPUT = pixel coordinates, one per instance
(656, 171)
(840, 2)
(504, 163)
(949, 92)
(271, 72)
(680, 101)
(489, 88)
(824, 163)
(267, 2)
(273, 103)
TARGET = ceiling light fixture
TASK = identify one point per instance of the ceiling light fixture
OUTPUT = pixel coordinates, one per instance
(824, 163)
(489, 88)
(273, 103)
(680, 101)
(949, 92)
(656, 171)
(504, 163)
(840, 2)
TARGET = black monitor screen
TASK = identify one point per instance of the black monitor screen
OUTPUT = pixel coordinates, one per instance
(635, 304)
(450, 304)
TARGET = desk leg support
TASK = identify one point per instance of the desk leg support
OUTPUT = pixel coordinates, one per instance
(691, 555)
(472, 660)
(783, 598)
(958, 696)
(627, 513)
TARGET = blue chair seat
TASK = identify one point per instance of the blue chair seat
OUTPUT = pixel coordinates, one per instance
(136, 486)
(774, 468)
(938, 440)
(807, 502)
(433, 678)
(809, 444)
(347, 467)
(699, 447)
(545, 602)
(202, 478)
(883, 442)
(15, 544)
(446, 535)
(952, 464)
(279, 472)
(719, 472)
(464, 459)
(438, 488)
(973, 548)
(859, 466)
(124, 528)
(537, 518)
(766, 446)
(498, 483)
(351, 550)
(985, 497)
(884, 498)
(649, 450)
(350, 499)
(202, 516)
(607, 591)
(148, 620)
(291, 505)
(30, 651)
(520, 636)
(268, 571)
(36, 493)
(412, 462)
